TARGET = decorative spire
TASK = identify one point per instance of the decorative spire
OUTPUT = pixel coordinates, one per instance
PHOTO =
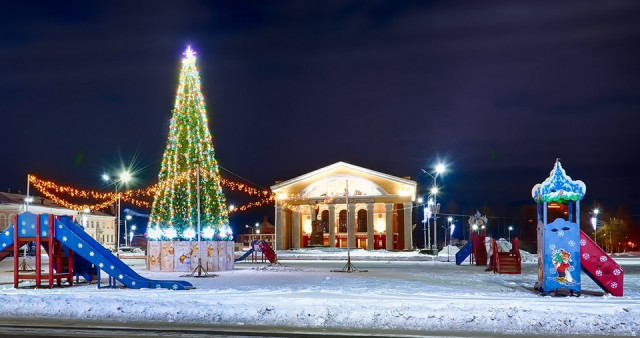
(558, 187)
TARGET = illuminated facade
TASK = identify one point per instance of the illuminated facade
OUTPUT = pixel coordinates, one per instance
(312, 209)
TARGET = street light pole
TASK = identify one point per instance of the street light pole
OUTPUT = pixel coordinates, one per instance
(510, 228)
(127, 218)
(125, 176)
(440, 168)
(594, 223)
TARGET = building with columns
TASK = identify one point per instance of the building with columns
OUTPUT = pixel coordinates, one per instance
(314, 209)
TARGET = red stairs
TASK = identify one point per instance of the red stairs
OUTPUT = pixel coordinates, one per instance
(508, 262)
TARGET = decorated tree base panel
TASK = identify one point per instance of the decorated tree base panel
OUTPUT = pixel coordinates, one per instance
(183, 255)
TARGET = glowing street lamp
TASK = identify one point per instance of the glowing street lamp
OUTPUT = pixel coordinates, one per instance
(127, 218)
(133, 230)
(125, 177)
(510, 229)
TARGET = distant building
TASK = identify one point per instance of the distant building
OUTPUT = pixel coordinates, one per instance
(97, 224)
(312, 210)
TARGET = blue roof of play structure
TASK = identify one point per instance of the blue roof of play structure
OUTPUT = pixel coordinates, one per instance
(559, 187)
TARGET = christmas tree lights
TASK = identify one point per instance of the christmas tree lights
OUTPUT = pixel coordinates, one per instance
(189, 148)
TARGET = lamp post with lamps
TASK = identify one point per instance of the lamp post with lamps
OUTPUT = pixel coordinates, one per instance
(133, 229)
(126, 218)
(439, 170)
(510, 229)
(125, 177)
(594, 223)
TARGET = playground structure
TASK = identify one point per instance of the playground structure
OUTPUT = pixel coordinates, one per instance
(71, 252)
(476, 248)
(561, 242)
(505, 262)
(262, 247)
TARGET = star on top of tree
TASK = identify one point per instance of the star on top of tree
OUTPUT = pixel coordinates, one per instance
(189, 53)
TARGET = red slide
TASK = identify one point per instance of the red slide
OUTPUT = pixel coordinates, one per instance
(600, 267)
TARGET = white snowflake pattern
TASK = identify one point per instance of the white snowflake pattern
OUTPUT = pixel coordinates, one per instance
(79, 245)
(586, 255)
(572, 243)
(64, 238)
(571, 268)
(560, 233)
(6, 233)
(598, 273)
(120, 276)
(24, 222)
(44, 234)
(552, 271)
(583, 242)
(614, 285)
(101, 265)
(60, 226)
(133, 283)
(4, 245)
(91, 253)
(23, 231)
(603, 258)
(112, 267)
(617, 272)
(33, 226)
(552, 246)
(158, 286)
(46, 222)
(175, 286)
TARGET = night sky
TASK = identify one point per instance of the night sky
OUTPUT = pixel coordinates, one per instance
(497, 90)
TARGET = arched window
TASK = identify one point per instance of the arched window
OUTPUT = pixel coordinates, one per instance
(324, 218)
(342, 221)
(362, 221)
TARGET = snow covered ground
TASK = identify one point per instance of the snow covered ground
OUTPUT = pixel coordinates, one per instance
(402, 293)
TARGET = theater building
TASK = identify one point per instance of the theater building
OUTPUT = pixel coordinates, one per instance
(315, 210)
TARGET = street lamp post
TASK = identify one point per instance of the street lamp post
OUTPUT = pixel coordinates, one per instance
(127, 218)
(133, 229)
(125, 177)
(594, 223)
(510, 229)
(440, 169)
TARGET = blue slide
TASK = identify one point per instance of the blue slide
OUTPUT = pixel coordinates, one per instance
(6, 242)
(464, 252)
(75, 238)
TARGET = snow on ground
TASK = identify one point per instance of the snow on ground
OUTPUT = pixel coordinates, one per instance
(402, 292)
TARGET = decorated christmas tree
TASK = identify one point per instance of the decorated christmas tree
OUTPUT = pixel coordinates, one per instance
(189, 156)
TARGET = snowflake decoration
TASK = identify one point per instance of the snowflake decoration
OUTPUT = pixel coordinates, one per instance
(603, 258)
(112, 267)
(133, 283)
(586, 255)
(552, 271)
(23, 231)
(598, 273)
(24, 222)
(572, 243)
(552, 246)
(6, 233)
(44, 234)
(79, 245)
(561, 233)
(101, 265)
(120, 276)
(60, 226)
(614, 285)
(91, 253)
(571, 268)
(617, 272)
(175, 286)
(33, 226)
(4, 245)
(157, 286)
(64, 238)
(46, 222)
(583, 242)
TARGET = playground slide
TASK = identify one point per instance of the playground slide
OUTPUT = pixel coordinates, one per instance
(74, 237)
(600, 267)
(464, 252)
(260, 246)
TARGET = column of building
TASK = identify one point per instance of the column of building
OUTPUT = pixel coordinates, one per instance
(408, 227)
(370, 235)
(388, 210)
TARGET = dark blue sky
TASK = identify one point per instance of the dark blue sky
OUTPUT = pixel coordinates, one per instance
(497, 89)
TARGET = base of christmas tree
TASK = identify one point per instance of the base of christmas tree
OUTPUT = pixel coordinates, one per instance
(183, 255)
